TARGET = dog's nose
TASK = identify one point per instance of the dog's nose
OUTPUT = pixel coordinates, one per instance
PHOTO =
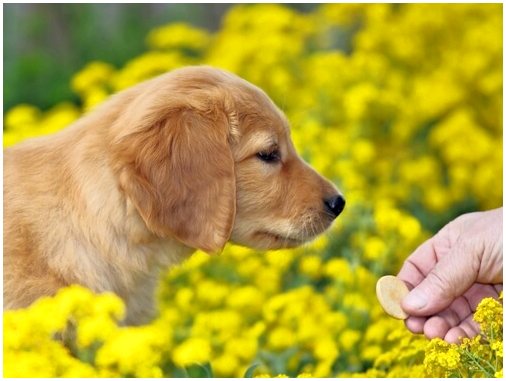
(335, 205)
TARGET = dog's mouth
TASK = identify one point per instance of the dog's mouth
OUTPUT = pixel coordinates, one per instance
(280, 239)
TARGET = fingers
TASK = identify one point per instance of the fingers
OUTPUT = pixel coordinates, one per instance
(440, 324)
(436, 326)
(418, 264)
(467, 328)
(477, 292)
(415, 324)
(456, 321)
(451, 276)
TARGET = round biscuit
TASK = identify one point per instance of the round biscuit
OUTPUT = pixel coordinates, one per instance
(390, 290)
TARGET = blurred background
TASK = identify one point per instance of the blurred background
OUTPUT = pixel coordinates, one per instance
(400, 105)
(45, 44)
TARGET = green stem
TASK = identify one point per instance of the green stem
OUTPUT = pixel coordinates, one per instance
(490, 335)
(473, 358)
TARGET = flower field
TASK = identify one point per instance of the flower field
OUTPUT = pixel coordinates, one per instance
(400, 105)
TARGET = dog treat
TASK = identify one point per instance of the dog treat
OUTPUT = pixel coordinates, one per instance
(390, 290)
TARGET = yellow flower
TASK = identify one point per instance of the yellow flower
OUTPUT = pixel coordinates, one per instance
(326, 349)
(192, 351)
(309, 327)
(225, 365)
(349, 339)
(452, 359)
(437, 200)
(93, 75)
(320, 243)
(256, 330)
(57, 118)
(246, 299)
(95, 328)
(339, 269)
(342, 14)
(211, 293)
(178, 35)
(268, 280)
(223, 323)
(94, 96)
(489, 314)
(363, 151)
(147, 66)
(280, 338)
(410, 228)
(53, 361)
(497, 347)
(371, 352)
(386, 217)
(42, 320)
(184, 298)
(244, 348)
(279, 259)
(134, 351)
(374, 248)
(322, 368)
(377, 331)
(250, 267)
(311, 266)
(21, 115)
(357, 100)
(355, 301)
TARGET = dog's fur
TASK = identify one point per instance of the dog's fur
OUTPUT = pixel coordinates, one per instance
(157, 171)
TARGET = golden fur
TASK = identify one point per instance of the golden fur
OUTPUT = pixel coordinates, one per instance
(157, 171)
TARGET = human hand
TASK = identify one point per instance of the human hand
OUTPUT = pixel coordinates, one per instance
(451, 273)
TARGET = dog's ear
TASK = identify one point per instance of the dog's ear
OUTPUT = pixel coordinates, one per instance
(178, 169)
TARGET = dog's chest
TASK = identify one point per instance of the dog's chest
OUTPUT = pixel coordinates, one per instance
(139, 295)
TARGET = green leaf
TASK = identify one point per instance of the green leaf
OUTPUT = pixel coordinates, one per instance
(250, 370)
(200, 371)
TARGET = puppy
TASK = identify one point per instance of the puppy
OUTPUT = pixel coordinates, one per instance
(188, 160)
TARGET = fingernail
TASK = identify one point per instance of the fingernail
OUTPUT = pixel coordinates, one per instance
(415, 300)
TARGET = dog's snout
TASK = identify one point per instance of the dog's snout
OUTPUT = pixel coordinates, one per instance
(335, 205)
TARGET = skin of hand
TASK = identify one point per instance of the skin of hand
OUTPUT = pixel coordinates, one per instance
(450, 273)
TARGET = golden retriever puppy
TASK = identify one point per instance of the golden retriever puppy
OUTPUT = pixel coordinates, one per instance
(188, 160)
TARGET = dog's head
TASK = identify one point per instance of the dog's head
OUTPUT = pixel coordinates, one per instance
(206, 157)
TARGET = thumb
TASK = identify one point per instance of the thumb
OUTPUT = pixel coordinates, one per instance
(451, 276)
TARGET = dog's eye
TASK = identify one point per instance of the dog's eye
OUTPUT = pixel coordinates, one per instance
(269, 156)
